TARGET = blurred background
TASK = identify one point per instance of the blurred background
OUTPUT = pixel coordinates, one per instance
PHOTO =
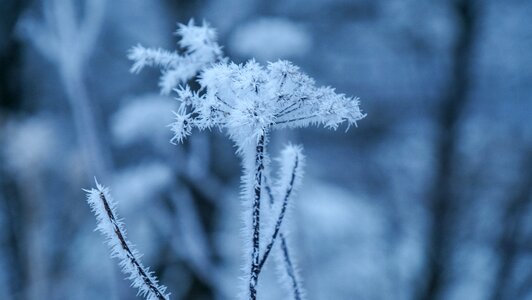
(430, 197)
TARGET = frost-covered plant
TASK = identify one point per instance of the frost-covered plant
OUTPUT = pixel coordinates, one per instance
(113, 229)
(199, 47)
(249, 101)
(290, 175)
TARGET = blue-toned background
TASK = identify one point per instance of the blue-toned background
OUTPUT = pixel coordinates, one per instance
(430, 197)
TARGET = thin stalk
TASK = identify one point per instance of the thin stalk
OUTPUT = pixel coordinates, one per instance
(279, 221)
(152, 286)
(113, 229)
(295, 119)
(255, 252)
(289, 266)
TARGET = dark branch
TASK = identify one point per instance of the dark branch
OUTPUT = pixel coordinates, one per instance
(284, 247)
(280, 218)
(255, 253)
(151, 285)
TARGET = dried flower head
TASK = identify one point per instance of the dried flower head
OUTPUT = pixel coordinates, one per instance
(249, 100)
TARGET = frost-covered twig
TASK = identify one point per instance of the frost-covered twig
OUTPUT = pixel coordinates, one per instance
(292, 161)
(290, 269)
(200, 49)
(255, 185)
(112, 228)
(291, 156)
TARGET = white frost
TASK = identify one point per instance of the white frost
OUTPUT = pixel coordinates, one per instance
(248, 100)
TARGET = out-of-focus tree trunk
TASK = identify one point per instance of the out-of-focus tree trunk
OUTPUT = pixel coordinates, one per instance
(442, 198)
(14, 210)
(510, 244)
(10, 50)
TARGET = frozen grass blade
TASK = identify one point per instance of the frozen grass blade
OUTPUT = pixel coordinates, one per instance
(112, 228)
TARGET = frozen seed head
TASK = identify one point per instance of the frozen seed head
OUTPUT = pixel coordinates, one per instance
(249, 100)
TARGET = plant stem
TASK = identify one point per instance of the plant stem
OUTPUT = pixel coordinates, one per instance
(280, 218)
(289, 266)
(255, 253)
(151, 286)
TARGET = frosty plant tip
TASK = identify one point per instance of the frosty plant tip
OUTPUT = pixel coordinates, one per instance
(246, 99)
(198, 49)
(249, 101)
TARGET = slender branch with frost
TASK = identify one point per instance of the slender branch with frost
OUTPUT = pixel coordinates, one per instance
(287, 265)
(112, 228)
(257, 191)
(292, 162)
(199, 47)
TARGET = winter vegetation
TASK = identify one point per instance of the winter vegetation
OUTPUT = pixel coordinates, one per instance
(428, 198)
(200, 49)
(113, 229)
(249, 101)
